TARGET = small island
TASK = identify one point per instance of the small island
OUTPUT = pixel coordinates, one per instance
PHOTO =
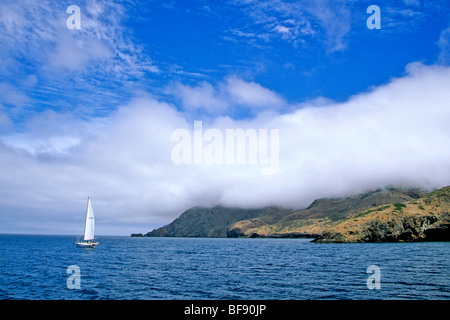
(137, 235)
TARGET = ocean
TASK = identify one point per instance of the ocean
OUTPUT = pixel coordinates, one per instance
(44, 267)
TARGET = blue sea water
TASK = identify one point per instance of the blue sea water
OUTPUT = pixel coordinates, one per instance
(35, 267)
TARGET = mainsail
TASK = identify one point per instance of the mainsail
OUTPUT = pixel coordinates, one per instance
(89, 226)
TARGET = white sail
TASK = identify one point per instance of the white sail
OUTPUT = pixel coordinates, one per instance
(89, 226)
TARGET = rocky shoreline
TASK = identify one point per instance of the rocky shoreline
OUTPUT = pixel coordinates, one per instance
(424, 219)
(391, 215)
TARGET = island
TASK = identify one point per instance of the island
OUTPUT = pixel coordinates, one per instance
(382, 215)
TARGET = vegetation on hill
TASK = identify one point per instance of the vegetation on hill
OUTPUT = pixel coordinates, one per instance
(376, 216)
(423, 219)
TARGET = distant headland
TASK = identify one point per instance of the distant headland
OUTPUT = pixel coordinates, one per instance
(382, 215)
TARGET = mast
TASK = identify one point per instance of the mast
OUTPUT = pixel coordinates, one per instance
(86, 218)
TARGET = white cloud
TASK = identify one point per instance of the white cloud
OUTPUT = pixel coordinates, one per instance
(11, 95)
(51, 145)
(397, 134)
(414, 3)
(73, 54)
(203, 96)
(102, 42)
(47, 66)
(231, 92)
(334, 18)
(282, 29)
(298, 22)
(5, 122)
(252, 94)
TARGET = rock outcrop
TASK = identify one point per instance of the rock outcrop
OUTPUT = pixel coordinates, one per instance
(137, 235)
(424, 219)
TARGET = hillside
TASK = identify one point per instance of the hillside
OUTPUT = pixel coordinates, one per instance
(214, 222)
(321, 215)
(423, 219)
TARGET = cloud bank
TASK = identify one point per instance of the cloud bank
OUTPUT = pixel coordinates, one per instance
(394, 135)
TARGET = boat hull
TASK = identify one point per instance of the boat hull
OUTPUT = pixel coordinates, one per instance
(87, 244)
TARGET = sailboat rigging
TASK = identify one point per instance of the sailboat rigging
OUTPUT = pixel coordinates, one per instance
(88, 240)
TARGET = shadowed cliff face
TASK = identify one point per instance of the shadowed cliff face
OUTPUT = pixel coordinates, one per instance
(317, 220)
(214, 222)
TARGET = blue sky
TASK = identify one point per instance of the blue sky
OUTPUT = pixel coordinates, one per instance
(89, 111)
(301, 50)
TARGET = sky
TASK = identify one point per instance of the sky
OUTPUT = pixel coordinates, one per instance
(131, 103)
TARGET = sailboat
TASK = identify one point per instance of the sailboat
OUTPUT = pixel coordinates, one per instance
(88, 240)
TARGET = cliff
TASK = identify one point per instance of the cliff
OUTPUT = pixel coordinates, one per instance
(423, 219)
(275, 222)
(321, 214)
